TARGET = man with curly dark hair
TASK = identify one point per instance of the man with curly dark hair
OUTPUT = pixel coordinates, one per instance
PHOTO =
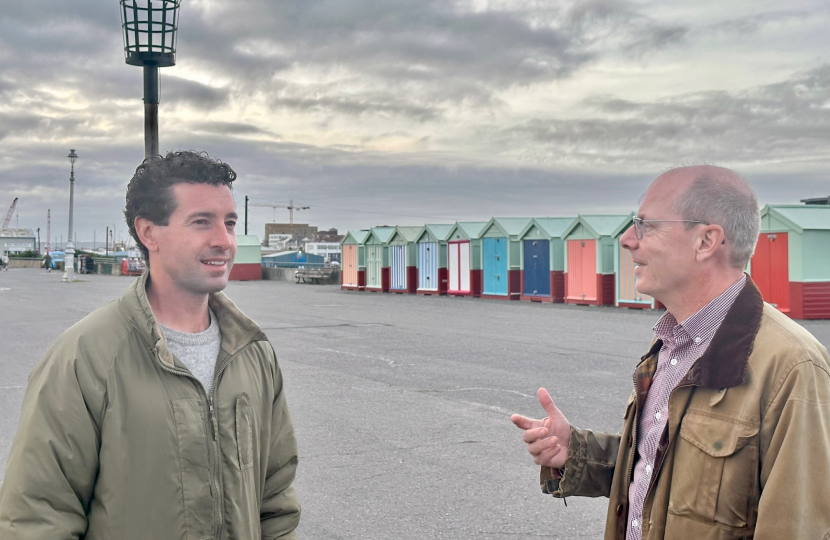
(161, 415)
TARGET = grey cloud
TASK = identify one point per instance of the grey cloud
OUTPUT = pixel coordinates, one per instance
(430, 48)
(598, 11)
(783, 121)
(359, 106)
(432, 51)
(33, 125)
(227, 128)
(178, 91)
(17, 123)
(747, 25)
(656, 39)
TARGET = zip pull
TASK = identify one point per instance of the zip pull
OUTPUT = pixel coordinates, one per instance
(213, 422)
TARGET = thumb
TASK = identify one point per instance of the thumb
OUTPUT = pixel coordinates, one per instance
(547, 403)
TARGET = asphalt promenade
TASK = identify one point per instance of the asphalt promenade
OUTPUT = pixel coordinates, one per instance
(401, 404)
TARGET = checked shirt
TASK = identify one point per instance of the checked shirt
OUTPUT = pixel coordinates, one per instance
(683, 344)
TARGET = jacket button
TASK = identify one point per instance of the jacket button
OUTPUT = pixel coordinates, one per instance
(620, 509)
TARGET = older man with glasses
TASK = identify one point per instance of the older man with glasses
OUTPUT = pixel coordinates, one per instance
(727, 430)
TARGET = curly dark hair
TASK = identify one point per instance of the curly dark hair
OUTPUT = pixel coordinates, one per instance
(149, 193)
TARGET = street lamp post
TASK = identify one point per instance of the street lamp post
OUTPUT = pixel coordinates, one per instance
(149, 28)
(69, 258)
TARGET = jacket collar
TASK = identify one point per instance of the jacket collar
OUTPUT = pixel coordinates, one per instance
(724, 362)
(238, 331)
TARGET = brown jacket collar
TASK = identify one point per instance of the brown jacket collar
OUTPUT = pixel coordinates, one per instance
(724, 362)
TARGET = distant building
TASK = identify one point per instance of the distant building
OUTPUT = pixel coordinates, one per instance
(817, 200)
(330, 251)
(327, 236)
(278, 241)
(17, 240)
(298, 230)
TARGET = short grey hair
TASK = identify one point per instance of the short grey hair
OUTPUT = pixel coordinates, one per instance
(729, 201)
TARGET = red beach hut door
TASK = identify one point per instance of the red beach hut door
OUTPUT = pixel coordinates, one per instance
(582, 270)
(350, 265)
(770, 269)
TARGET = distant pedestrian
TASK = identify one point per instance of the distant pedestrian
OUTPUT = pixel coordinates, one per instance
(5, 261)
(48, 262)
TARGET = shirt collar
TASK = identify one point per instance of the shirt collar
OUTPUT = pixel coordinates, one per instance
(704, 323)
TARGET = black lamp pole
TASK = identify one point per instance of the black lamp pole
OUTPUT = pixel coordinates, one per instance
(151, 111)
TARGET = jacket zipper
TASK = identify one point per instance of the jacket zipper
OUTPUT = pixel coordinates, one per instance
(214, 429)
(215, 442)
(633, 450)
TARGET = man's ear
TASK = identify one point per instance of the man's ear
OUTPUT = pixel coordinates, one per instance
(148, 233)
(710, 240)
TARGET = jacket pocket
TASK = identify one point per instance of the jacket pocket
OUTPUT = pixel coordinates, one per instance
(194, 467)
(715, 469)
(244, 433)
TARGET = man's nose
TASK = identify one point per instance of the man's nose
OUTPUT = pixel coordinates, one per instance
(628, 240)
(222, 237)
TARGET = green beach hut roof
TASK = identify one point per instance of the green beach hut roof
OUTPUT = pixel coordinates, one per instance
(383, 234)
(472, 229)
(598, 225)
(553, 227)
(356, 237)
(410, 234)
(801, 217)
(247, 240)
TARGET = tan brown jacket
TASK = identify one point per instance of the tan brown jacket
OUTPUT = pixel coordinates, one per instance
(117, 441)
(746, 452)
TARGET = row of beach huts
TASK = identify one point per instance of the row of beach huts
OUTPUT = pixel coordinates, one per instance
(575, 260)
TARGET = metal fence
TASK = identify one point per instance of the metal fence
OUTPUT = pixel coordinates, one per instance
(288, 264)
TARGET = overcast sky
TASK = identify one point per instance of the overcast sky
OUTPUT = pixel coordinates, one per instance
(418, 111)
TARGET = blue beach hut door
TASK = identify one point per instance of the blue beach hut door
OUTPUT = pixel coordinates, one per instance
(536, 268)
(495, 266)
(428, 266)
(397, 257)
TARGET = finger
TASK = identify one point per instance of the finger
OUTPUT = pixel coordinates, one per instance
(548, 457)
(547, 403)
(537, 447)
(533, 435)
(523, 422)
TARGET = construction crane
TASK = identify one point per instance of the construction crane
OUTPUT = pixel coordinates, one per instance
(9, 214)
(290, 206)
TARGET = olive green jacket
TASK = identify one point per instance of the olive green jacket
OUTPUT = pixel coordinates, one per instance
(746, 452)
(118, 441)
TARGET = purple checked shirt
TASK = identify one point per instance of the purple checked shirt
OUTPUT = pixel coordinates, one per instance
(683, 344)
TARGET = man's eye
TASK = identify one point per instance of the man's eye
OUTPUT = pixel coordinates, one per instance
(230, 224)
(201, 222)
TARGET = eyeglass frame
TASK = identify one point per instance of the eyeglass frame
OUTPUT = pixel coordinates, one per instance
(638, 223)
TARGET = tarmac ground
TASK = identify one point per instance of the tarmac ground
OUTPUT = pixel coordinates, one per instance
(400, 403)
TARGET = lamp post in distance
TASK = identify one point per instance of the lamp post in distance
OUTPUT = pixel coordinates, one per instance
(69, 256)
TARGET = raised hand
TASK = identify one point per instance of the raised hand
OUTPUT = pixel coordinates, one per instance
(547, 439)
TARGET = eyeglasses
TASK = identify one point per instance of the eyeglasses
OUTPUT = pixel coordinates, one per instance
(640, 224)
